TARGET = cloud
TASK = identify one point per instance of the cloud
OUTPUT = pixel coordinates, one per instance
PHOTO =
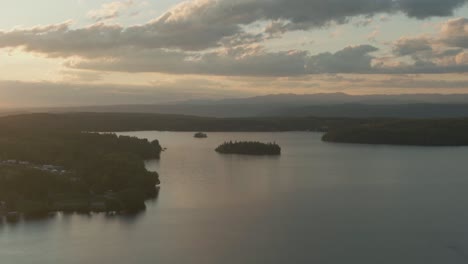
(349, 60)
(424, 67)
(426, 8)
(418, 83)
(58, 40)
(442, 53)
(411, 46)
(110, 10)
(462, 58)
(80, 76)
(354, 59)
(455, 33)
(372, 37)
(364, 22)
(212, 63)
(241, 55)
(210, 37)
(203, 24)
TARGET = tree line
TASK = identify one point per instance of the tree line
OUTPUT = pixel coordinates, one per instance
(249, 148)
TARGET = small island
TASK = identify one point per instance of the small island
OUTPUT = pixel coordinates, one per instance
(200, 135)
(249, 148)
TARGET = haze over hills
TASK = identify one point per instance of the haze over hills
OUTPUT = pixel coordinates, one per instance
(319, 105)
(341, 98)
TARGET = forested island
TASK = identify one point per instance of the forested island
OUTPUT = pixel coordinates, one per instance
(200, 135)
(249, 148)
(44, 170)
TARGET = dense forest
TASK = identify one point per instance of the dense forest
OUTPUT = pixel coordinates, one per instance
(46, 166)
(364, 130)
(114, 122)
(249, 148)
(437, 132)
(87, 169)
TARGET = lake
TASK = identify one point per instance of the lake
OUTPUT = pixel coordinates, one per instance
(316, 203)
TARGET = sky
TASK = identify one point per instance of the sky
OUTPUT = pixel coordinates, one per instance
(95, 52)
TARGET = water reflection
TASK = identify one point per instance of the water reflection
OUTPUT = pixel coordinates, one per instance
(316, 203)
(66, 217)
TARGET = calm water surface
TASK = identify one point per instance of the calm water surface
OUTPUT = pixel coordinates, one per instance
(317, 203)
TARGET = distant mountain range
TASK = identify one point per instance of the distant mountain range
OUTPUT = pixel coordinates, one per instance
(319, 105)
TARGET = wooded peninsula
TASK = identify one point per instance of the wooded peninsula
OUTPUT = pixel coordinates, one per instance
(44, 168)
(436, 132)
